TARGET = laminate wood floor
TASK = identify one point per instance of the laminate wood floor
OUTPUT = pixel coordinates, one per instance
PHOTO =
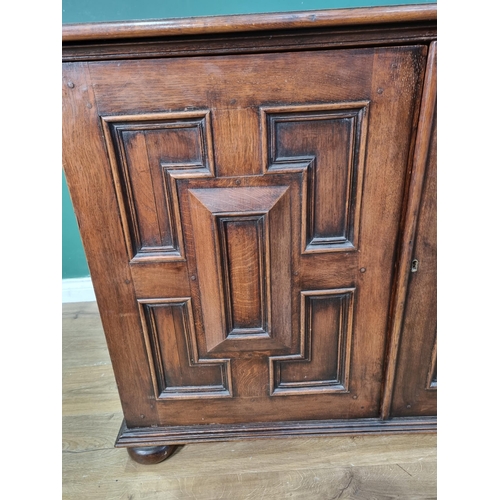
(365, 468)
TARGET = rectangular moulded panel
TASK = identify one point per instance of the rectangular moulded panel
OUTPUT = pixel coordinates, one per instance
(176, 367)
(145, 152)
(329, 142)
(244, 264)
(326, 332)
(153, 228)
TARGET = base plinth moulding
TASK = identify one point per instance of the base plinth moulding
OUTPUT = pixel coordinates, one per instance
(176, 435)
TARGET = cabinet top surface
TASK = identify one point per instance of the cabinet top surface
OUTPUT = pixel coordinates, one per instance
(99, 21)
(93, 11)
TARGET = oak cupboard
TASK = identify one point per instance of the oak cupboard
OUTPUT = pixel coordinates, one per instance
(256, 198)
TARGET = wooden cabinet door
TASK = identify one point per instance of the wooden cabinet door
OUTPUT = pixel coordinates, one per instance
(240, 216)
(415, 383)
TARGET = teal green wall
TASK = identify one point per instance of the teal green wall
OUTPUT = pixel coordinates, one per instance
(74, 264)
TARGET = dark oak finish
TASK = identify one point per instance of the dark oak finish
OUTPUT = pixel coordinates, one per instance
(415, 385)
(249, 221)
(149, 455)
(377, 465)
(250, 33)
(246, 22)
(148, 436)
(424, 161)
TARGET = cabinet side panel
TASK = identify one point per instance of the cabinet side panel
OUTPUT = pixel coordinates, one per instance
(90, 183)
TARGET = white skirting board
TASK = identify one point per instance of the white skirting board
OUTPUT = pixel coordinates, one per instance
(77, 290)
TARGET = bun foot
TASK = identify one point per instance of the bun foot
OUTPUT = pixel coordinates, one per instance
(149, 455)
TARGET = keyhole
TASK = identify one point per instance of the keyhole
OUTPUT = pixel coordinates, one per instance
(414, 265)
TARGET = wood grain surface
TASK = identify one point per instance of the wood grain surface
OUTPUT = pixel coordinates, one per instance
(366, 467)
(247, 22)
(150, 199)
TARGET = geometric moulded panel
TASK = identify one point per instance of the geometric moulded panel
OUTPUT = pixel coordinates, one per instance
(146, 153)
(327, 141)
(175, 365)
(242, 239)
(326, 333)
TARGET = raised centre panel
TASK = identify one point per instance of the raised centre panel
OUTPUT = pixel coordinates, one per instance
(147, 152)
(243, 234)
(328, 141)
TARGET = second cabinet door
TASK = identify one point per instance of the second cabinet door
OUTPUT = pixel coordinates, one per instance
(258, 198)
